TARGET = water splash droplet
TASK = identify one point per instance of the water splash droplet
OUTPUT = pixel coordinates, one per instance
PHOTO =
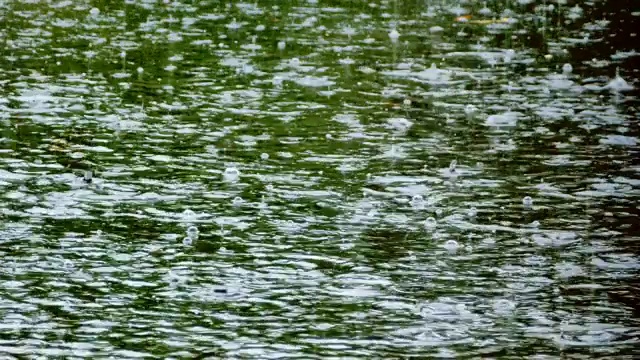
(417, 202)
(394, 35)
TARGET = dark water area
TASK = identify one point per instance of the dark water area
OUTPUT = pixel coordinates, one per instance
(319, 179)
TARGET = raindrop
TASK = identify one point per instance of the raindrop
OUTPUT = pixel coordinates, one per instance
(346, 61)
(234, 25)
(618, 83)
(264, 156)
(94, 11)
(187, 241)
(567, 69)
(527, 202)
(281, 45)
(452, 166)
(575, 12)
(394, 35)
(231, 174)
(430, 223)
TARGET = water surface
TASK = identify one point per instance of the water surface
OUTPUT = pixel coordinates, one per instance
(320, 179)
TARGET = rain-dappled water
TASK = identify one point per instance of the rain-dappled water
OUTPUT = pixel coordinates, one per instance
(319, 179)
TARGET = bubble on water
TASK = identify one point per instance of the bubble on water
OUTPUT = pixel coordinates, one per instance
(417, 202)
(189, 214)
(246, 69)
(231, 174)
(68, 264)
(470, 110)
(485, 11)
(472, 212)
(269, 187)
(187, 241)
(489, 241)
(264, 156)
(430, 223)
(237, 201)
(193, 232)
(310, 21)
(94, 11)
(451, 246)
(277, 81)
(534, 224)
(295, 62)
(328, 136)
(394, 35)
(543, 240)
(406, 102)
(346, 246)
(281, 45)
(527, 202)
(260, 27)
(140, 70)
(346, 61)
(76, 155)
(567, 68)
